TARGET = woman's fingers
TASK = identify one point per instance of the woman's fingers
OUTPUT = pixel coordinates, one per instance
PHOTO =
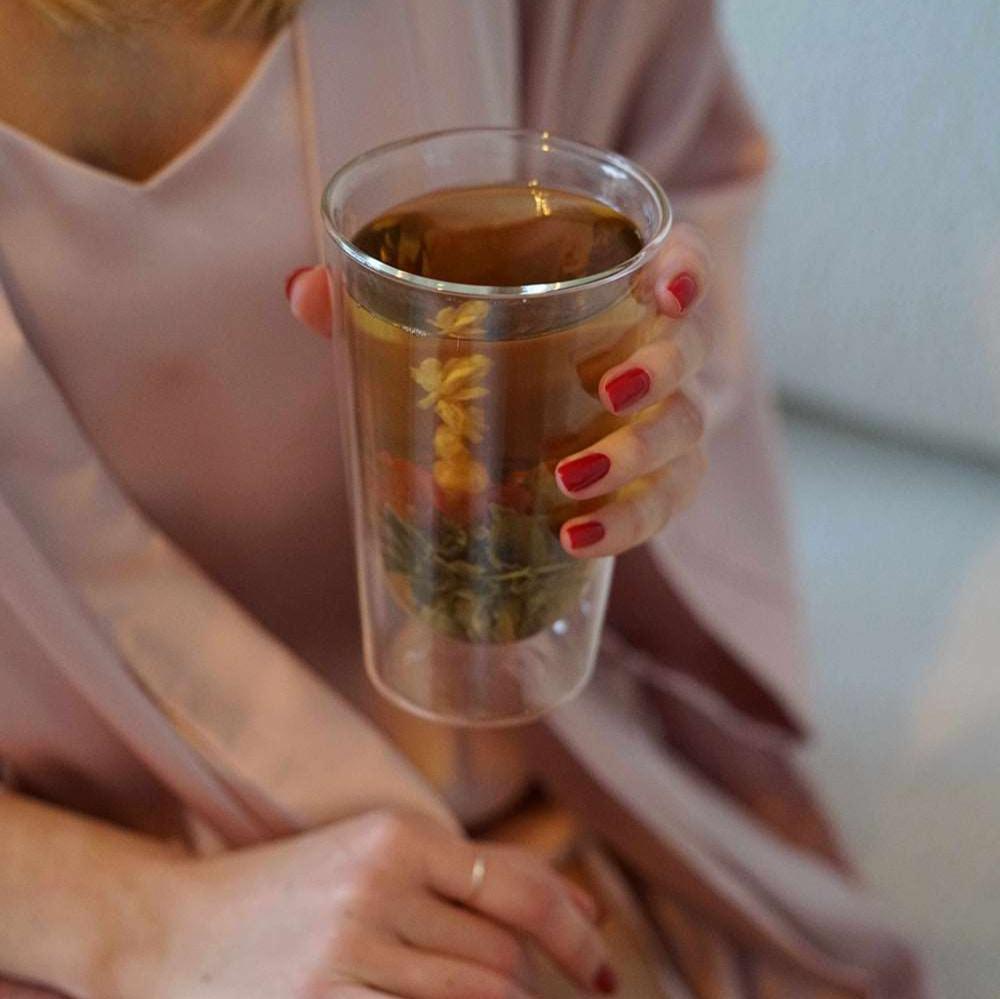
(664, 433)
(656, 369)
(584, 901)
(432, 924)
(682, 271)
(420, 975)
(308, 292)
(641, 512)
(679, 342)
(525, 894)
(653, 460)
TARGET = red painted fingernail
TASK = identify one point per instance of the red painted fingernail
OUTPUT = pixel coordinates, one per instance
(684, 288)
(627, 388)
(290, 280)
(582, 472)
(584, 535)
(606, 981)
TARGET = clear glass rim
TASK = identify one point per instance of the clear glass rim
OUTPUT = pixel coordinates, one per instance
(638, 174)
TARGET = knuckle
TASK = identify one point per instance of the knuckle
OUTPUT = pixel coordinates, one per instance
(364, 901)
(687, 232)
(391, 830)
(672, 363)
(637, 521)
(688, 418)
(387, 853)
(382, 819)
(640, 452)
(695, 239)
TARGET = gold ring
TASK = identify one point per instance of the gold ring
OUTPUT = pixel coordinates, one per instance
(478, 877)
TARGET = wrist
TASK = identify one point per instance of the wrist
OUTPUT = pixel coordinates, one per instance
(130, 957)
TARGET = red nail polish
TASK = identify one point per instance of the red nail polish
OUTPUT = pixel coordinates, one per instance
(606, 981)
(627, 388)
(584, 535)
(290, 280)
(684, 289)
(582, 472)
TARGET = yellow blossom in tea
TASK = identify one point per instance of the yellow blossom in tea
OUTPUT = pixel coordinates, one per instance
(453, 381)
(465, 421)
(447, 443)
(463, 320)
(460, 374)
(461, 475)
(451, 388)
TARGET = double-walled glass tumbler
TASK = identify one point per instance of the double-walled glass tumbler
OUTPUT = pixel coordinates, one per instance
(461, 398)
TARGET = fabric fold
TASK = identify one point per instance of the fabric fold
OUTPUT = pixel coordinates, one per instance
(179, 653)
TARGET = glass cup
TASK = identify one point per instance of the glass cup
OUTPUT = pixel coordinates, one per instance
(459, 402)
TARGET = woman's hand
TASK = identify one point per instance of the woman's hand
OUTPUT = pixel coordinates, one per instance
(658, 456)
(656, 459)
(382, 904)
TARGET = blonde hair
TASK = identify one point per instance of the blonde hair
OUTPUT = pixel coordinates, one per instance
(220, 14)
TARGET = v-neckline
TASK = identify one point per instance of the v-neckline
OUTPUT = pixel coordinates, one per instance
(183, 159)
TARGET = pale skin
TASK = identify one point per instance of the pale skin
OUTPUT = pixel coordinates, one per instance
(375, 905)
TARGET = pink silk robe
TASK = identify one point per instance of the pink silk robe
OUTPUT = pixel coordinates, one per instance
(133, 680)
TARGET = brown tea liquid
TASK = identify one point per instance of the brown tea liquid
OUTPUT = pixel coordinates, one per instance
(465, 404)
(501, 236)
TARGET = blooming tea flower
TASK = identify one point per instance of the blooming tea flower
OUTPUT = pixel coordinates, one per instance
(464, 320)
(450, 389)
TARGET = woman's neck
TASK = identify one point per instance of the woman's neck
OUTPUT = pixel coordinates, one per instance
(125, 101)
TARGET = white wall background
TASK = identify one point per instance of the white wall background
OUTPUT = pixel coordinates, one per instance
(875, 287)
(876, 280)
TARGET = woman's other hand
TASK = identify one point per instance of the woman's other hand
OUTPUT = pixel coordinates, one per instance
(656, 460)
(384, 903)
